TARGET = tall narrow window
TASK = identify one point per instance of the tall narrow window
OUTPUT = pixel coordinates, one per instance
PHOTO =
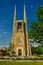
(19, 25)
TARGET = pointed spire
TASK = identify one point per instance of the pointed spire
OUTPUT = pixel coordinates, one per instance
(15, 14)
(14, 19)
(24, 14)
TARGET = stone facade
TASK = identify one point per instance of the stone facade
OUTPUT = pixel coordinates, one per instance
(20, 36)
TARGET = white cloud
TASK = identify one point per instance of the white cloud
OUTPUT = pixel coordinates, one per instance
(5, 32)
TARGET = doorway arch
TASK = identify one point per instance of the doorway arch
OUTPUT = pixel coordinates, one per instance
(19, 52)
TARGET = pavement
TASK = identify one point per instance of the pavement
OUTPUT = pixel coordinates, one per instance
(23, 60)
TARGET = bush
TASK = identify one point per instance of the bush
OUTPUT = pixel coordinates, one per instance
(13, 58)
(18, 58)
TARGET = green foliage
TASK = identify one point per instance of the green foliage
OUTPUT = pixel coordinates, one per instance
(41, 49)
(40, 13)
(37, 50)
(20, 63)
(9, 49)
(37, 27)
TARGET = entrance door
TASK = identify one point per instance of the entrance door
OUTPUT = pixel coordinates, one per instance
(19, 52)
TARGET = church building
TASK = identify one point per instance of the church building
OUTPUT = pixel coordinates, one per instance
(20, 40)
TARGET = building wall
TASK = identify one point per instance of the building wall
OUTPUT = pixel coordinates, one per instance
(21, 35)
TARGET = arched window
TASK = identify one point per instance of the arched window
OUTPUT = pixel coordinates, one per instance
(19, 25)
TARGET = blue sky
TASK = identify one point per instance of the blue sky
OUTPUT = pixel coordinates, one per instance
(7, 15)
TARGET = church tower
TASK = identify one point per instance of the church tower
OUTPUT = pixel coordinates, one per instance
(20, 39)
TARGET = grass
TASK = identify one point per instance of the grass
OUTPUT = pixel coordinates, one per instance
(20, 63)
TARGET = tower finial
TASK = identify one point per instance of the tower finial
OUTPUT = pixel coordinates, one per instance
(24, 14)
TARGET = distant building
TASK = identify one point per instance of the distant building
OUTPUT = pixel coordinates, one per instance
(20, 41)
(3, 51)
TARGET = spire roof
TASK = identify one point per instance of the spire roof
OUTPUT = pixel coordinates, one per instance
(24, 13)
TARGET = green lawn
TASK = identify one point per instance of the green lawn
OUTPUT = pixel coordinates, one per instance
(21, 63)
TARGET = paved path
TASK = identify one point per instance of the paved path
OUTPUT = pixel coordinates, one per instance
(23, 60)
(29, 61)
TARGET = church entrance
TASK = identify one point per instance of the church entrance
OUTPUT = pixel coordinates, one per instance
(19, 52)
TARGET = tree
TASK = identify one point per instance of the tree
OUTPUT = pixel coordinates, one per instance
(37, 50)
(36, 31)
(11, 48)
(39, 14)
